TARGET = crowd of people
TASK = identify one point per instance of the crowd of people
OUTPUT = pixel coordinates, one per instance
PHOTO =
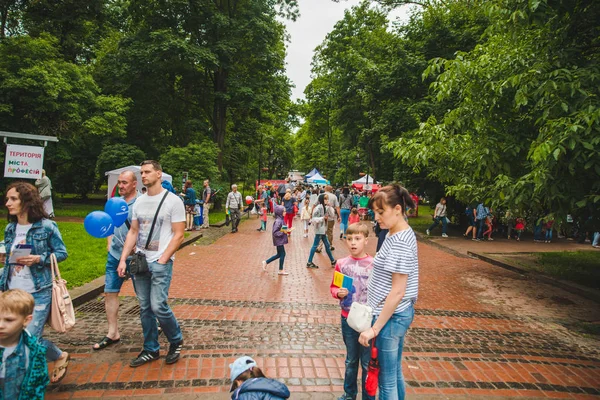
(388, 282)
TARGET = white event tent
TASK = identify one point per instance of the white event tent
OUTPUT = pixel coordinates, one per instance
(113, 177)
(317, 179)
(363, 180)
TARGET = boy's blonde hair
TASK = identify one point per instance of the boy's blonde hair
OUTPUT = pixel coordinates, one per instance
(358, 229)
(17, 301)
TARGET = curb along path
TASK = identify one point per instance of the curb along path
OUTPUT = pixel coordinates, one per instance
(476, 331)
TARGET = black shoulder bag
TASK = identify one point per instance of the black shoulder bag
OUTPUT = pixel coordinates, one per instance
(138, 264)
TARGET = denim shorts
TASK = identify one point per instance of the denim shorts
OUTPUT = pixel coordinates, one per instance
(112, 280)
(471, 220)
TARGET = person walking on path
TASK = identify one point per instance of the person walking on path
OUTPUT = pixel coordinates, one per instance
(480, 218)
(334, 214)
(206, 198)
(189, 200)
(345, 207)
(157, 230)
(358, 266)
(393, 288)
(319, 221)
(439, 215)
(44, 186)
(280, 239)
(291, 204)
(234, 206)
(305, 216)
(127, 184)
(471, 213)
(29, 224)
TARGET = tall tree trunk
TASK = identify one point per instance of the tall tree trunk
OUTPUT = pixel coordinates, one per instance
(372, 162)
(220, 112)
(3, 26)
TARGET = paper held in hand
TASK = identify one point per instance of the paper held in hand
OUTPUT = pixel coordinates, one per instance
(285, 229)
(340, 280)
(20, 250)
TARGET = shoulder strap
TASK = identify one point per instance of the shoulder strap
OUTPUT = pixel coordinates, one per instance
(154, 221)
(127, 224)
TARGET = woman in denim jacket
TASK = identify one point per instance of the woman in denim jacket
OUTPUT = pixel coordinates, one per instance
(25, 208)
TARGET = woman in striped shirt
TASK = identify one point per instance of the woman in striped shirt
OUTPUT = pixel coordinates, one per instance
(393, 287)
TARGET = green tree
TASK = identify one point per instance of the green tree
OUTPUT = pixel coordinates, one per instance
(116, 156)
(524, 130)
(199, 160)
(41, 93)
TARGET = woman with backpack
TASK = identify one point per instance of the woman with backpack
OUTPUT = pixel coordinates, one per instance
(345, 207)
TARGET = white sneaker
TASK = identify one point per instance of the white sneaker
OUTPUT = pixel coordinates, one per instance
(427, 232)
(264, 265)
(444, 235)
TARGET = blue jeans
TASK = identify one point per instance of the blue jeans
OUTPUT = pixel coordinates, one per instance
(355, 352)
(41, 312)
(549, 234)
(390, 343)
(280, 254)
(596, 239)
(537, 232)
(436, 222)
(344, 213)
(320, 237)
(480, 228)
(152, 291)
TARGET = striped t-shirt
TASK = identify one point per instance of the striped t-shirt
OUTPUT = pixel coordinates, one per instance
(398, 254)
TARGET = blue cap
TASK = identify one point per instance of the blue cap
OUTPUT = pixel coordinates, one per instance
(240, 366)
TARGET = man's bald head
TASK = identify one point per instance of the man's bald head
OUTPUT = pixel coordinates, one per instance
(129, 175)
(127, 184)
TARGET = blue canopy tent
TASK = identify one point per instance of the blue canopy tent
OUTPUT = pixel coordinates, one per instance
(317, 179)
(312, 173)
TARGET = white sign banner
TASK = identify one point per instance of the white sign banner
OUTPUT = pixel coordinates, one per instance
(25, 162)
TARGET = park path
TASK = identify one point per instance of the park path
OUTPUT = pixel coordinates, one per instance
(479, 330)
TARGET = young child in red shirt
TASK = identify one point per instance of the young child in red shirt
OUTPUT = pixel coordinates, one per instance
(358, 266)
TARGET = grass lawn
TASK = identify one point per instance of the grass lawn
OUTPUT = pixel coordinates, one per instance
(422, 222)
(582, 267)
(87, 255)
(76, 209)
(214, 217)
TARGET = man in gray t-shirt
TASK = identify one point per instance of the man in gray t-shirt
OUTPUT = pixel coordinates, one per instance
(334, 215)
(127, 184)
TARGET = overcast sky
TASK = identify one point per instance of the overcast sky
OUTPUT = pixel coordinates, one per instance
(317, 18)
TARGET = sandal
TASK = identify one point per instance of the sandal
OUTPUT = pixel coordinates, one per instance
(104, 343)
(57, 370)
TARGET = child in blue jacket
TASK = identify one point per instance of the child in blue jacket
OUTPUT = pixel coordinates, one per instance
(23, 368)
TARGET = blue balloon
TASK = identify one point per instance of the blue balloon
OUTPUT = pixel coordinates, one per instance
(99, 224)
(118, 209)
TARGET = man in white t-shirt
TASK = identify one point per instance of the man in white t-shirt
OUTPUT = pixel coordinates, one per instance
(159, 246)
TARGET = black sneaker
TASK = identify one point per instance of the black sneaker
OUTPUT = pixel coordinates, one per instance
(174, 352)
(333, 263)
(332, 248)
(311, 265)
(143, 358)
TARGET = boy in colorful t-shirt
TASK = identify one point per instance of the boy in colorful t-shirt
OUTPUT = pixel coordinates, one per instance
(358, 266)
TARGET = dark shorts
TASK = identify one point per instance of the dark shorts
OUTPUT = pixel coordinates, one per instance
(471, 220)
(189, 209)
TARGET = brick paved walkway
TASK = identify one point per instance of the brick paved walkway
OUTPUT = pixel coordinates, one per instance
(479, 330)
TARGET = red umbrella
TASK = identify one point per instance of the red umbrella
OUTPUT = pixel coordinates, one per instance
(373, 372)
